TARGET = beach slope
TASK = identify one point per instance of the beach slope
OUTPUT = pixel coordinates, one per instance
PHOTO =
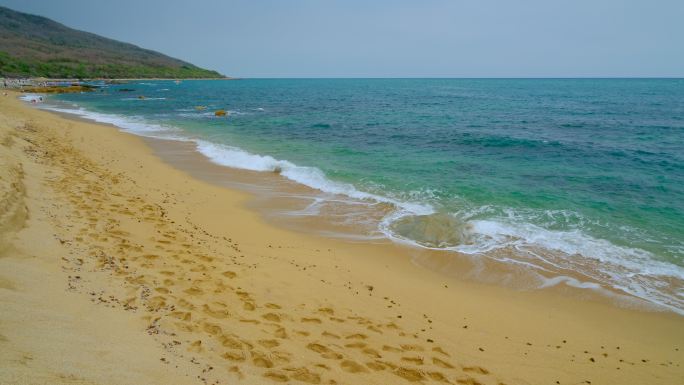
(116, 268)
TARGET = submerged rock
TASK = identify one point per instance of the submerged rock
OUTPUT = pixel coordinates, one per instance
(435, 230)
(59, 89)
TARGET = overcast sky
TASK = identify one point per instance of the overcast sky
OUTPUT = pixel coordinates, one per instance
(393, 38)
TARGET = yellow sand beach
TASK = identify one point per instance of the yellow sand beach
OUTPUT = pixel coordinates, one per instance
(117, 268)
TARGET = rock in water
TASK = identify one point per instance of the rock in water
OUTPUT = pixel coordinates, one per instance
(221, 113)
(435, 230)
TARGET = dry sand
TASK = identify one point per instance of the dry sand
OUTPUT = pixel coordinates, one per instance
(116, 268)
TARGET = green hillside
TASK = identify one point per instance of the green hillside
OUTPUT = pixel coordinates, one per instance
(35, 46)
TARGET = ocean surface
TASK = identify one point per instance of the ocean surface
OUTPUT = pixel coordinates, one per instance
(582, 175)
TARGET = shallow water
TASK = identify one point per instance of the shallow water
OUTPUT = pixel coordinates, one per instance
(584, 175)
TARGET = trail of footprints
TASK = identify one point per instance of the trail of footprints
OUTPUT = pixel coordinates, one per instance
(190, 289)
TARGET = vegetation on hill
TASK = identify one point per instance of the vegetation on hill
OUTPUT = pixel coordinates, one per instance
(35, 46)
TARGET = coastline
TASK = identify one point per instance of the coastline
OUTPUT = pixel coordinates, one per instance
(294, 202)
(275, 198)
(48, 80)
(266, 302)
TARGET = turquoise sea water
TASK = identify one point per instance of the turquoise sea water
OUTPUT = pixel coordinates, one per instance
(581, 174)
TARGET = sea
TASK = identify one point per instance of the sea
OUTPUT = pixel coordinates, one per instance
(582, 175)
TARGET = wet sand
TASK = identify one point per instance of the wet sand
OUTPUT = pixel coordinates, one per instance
(117, 268)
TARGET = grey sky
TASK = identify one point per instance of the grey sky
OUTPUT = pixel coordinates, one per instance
(394, 38)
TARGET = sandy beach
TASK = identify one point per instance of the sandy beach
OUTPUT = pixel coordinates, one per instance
(118, 268)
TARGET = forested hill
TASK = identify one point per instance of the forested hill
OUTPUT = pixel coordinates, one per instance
(35, 46)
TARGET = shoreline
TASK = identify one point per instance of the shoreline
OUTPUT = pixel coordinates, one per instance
(270, 192)
(269, 304)
(275, 197)
(20, 84)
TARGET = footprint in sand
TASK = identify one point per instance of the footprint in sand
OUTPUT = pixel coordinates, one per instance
(377, 366)
(305, 375)
(409, 374)
(311, 320)
(440, 350)
(356, 345)
(372, 353)
(352, 367)
(413, 360)
(260, 360)
(280, 333)
(324, 351)
(331, 335)
(410, 348)
(269, 343)
(357, 336)
(234, 356)
(441, 363)
(230, 342)
(196, 347)
(388, 348)
(215, 313)
(276, 376)
(212, 329)
(437, 376)
(326, 310)
(271, 317)
(229, 274)
(475, 369)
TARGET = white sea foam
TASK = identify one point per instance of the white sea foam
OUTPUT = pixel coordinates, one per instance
(309, 176)
(570, 282)
(633, 271)
(31, 97)
(142, 99)
(499, 233)
(234, 157)
(130, 124)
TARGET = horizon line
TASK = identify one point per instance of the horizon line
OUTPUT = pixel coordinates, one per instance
(461, 77)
